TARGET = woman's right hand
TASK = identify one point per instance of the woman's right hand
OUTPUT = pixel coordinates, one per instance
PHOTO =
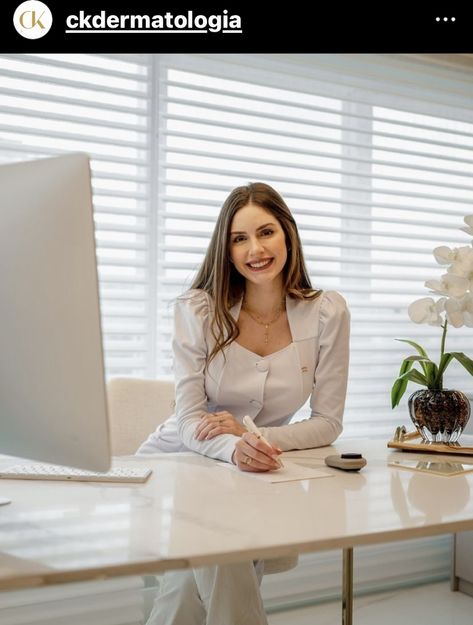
(252, 454)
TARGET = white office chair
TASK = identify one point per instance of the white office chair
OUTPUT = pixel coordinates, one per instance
(136, 407)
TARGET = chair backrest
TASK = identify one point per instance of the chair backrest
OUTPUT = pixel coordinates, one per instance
(136, 407)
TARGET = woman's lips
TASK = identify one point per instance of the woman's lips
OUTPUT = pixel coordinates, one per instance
(267, 264)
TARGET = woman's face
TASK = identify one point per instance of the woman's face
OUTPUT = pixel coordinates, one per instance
(257, 244)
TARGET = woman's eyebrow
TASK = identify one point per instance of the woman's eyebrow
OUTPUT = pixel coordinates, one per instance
(260, 228)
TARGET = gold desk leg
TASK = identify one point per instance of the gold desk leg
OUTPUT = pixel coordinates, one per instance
(347, 587)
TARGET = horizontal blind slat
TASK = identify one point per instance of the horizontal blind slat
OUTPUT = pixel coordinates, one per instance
(308, 107)
(329, 170)
(307, 152)
(56, 99)
(49, 61)
(336, 142)
(310, 123)
(70, 82)
(22, 131)
(90, 121)
(326, 185)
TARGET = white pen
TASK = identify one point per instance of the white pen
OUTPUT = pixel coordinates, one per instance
(252, 427)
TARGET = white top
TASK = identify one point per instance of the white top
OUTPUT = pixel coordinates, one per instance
(268, 388)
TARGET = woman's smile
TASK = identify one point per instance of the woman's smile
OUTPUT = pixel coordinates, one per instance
(260, 265)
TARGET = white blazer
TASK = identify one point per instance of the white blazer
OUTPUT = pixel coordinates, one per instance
(270, 389)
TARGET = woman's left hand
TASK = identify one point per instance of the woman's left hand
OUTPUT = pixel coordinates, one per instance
(213, 424)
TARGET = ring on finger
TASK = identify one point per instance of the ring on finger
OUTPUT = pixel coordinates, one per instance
(248, 460)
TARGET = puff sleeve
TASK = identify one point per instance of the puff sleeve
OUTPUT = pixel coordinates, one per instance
(191, 325)
(327, 401)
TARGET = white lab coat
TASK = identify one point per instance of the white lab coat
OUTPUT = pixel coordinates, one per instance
(270, 389)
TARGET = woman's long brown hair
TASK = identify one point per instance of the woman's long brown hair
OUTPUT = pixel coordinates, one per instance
(225, 285)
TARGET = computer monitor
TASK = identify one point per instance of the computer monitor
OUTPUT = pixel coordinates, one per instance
(52, 389)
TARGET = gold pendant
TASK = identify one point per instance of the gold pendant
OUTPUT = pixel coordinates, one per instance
(266, 334)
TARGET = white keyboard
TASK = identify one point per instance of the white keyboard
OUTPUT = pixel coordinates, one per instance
(42, 471)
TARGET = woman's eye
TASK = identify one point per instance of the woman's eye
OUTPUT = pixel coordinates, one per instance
(266, 232)
(238, 239)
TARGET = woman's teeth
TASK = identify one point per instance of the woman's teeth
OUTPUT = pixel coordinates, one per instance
(261, 264)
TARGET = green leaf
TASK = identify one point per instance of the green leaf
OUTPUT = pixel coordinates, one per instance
(400, 384)
(425, 368)
(417, 358)
(428, 367)
(414, 376)
(431, 374)
(444, 362)
(418, 347)
(397, 391)
(464, 360)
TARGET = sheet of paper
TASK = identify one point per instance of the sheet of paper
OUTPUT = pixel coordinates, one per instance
(289, 473)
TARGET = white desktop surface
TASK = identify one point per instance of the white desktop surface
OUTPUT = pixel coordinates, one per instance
(192, 513)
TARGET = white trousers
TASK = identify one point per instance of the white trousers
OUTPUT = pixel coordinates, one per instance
(213, 595)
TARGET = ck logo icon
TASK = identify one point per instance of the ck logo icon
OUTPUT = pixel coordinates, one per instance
(32, 19)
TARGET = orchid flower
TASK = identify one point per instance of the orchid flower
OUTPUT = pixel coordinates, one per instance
(426, 310)
(459, 312)
(469, 224)
(455, 307)
(444, 255)
(449, 284)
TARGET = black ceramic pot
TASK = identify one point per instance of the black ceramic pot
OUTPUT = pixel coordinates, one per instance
(439, 415)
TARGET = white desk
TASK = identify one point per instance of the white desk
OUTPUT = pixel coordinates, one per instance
(192, 513)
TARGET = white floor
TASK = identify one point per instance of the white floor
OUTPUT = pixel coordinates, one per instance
(434, 604)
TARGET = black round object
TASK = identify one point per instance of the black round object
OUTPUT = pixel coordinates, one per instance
(351, 456)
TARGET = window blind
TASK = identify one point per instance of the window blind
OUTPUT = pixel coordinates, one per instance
(52, 104)
(373, 154)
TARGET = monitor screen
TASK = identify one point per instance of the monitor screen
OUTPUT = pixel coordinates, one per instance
(52, 390)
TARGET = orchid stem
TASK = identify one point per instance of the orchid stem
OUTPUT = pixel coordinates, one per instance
(442, 350)
(444, 335)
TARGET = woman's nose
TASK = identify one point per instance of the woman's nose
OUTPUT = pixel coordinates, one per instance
(255, 246)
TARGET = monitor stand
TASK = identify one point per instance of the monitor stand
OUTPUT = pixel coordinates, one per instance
(4, 500)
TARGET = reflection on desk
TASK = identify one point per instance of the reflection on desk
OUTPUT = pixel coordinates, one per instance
(443, 468)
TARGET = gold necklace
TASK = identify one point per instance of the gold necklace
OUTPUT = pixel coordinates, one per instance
(266, 324)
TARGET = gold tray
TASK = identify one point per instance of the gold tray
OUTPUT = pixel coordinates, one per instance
(407, 442)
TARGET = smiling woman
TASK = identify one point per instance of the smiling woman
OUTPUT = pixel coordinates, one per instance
(251, 337)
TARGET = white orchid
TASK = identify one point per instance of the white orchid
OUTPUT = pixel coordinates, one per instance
(459, 312)
(463, 266)
(449, 284)
(444, 255)
(456, 257)
(427, 310)
(469, 224)
(455, 307)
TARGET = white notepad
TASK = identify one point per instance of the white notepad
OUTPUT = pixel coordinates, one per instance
(289, 473)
